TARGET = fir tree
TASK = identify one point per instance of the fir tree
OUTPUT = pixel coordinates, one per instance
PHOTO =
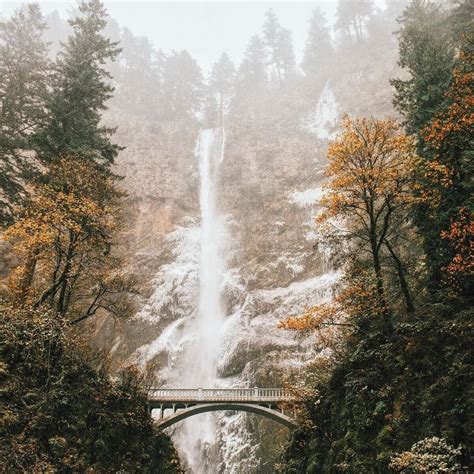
(182, 86)
(81, 88)
(427, 54)
(318, 48)
(139, 75)
(352, 17)
(280, 46)
(252, 80)
(222, 81)
(23, 83)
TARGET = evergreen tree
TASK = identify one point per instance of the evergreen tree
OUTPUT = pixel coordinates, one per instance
(222, 81)
(252, 80)
(280, 45)
(318, 48)
(182, 86)
(139, 72)
(427, 54)
(450, 145)
(23, 85)
(253, 67)
(81, 88)
(352, 17)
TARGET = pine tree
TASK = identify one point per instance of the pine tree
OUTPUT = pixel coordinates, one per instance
(23, 85)
(81, 88)
(427, 54)
(222, 81)
(449, 143)
(182, 86)
(352, 17)
(280, 45)
(252, 80)
(252, 71)
(139, 75)
(318, 48)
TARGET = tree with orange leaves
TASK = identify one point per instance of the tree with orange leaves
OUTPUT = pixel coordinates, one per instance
(63, 239)
(373, 169)
(450, 136)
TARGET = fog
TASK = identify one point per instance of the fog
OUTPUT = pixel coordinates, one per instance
(221, 197)
(205, 29)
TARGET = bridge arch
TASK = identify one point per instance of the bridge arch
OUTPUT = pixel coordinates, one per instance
(209, 407)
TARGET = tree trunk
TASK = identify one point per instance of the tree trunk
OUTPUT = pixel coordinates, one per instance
(28, 274)
(61, 307)
(379, 281)
(402, 280)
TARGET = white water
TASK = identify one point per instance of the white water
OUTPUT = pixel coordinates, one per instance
(200, 356)
(197, 341)
(323, 119)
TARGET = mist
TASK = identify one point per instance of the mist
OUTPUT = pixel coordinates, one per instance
(234, 236)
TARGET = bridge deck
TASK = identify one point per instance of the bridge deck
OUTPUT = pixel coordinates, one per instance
(206, 395)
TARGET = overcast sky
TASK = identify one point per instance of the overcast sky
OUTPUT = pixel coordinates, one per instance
(205, 29)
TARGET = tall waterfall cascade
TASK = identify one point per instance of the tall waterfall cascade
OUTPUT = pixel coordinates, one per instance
(200, 357)
(214, 326)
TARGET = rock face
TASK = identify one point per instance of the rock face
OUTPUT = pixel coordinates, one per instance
(268, 186)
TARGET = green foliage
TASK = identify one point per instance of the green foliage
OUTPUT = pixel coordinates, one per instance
(427, 54)
(388, 392)
(58, 413)
(429, 101)
(81, 88)
(404, 400)
(23, 82)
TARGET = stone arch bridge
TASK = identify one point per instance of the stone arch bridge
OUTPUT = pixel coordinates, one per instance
(184, 403)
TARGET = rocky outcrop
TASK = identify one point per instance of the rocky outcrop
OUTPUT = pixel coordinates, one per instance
(269, 184)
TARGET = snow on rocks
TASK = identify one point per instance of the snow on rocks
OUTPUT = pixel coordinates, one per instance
(324, 118)
(176, 285)
(307, 198)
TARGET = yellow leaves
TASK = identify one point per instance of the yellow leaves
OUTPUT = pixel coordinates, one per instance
(74, 214)
(354, 300)
(314, 318)
(372, 167)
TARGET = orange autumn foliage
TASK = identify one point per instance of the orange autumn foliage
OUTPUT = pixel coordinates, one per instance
(64, 231)
(461, 237)
(373, 165)
(453, 126)
(450, 135)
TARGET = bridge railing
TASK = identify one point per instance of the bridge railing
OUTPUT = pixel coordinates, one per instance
(218, 394)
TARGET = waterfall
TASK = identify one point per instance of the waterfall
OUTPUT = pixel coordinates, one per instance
(325, 115)
(197, 436)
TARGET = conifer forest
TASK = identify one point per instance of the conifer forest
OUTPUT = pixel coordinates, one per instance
(236, 237)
